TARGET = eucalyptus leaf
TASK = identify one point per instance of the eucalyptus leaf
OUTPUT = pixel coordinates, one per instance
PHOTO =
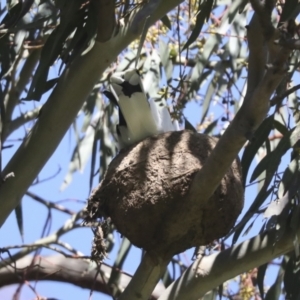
(260, 279)
(188, 125)
(270, 162)
(209, 129)
(274, 291)
(152, 76)
(290, 10)
(118, 265)
(262, 195)
(292, 278)
(165, 60)
(81, 153)
(204, 9)
(166, 21)
(20, 220)
(260, 135)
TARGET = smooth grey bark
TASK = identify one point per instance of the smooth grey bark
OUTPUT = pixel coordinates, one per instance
(210, 271)
(77, 271)
(145, 278)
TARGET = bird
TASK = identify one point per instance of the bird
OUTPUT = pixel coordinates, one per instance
(139, 117)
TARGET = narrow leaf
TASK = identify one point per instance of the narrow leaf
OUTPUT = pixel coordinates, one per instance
(118, 265)
(290, 10)
(270, 162)
(166, 21)
(209, 129)
(260, 279)
(203, 13)
(165, 60)
(275, 290)
(260, 135)
(280, 127)
(260, 198)
(290, 173)
(292, 277)
(19, 217)
(188, 125)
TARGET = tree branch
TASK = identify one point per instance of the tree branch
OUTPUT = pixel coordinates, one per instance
(53, 238)
(21, 120)
(204, 274)
(253, 111)
(210, 271)
(80, 272)
(106, 22)
(276, 100)
(60, 110)
(257, 55)
(145, 278)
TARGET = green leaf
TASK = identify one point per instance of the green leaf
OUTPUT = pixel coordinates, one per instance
(94, 152)
(260, 198)
(216, 86)
(249, 227)
(288, 176)
(107, 150)
(242, 6)
(207, 99)
(50, 52)
(260, 135)
(88, 109)
(209, 129)
(274, 291)
(81, 153)
(220, 290)
(290, 10)
(6, 55)
(53, 48)
(292, 278)
(19, 217)
(204, 10)
(84, 38)
(118, 265)
(11, 17)
(260, 279)
(152, 74)
(166, 278)
(271, 161)
(280, 127)
(165, 60)
(188, 125)
(294, 138)
(166, 21)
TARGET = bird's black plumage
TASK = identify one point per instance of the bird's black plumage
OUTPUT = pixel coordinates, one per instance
(111, 97)
(128, 89)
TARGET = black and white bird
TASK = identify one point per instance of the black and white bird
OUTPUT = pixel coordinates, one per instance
(138, 117)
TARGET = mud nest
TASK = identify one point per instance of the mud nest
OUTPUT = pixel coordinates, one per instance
(145, 192)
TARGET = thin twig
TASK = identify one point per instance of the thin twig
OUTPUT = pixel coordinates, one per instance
(49, 204)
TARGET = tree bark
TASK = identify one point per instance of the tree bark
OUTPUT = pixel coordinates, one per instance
(210, 271)
(80, 272)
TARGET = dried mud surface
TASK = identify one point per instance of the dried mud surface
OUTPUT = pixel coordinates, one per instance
(147, 185)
